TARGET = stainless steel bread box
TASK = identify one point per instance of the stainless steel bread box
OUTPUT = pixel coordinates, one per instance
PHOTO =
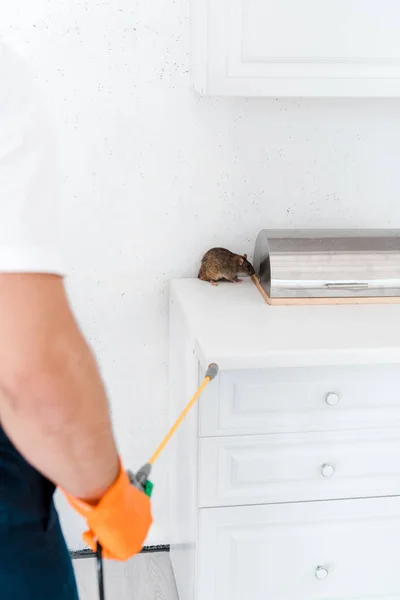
(328, 266)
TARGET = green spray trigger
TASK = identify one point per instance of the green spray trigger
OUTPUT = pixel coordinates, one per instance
(148, 488)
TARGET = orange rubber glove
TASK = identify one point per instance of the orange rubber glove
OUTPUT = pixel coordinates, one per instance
(120, 521)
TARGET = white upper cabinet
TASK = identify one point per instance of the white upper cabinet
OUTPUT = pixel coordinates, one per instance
(296, 47)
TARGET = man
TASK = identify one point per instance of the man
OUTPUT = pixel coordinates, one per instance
(55, 427)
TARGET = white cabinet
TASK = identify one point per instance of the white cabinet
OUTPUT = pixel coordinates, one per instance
(285, 479)
(296, 48)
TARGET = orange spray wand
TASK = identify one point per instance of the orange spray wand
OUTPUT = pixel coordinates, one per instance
(141, 478)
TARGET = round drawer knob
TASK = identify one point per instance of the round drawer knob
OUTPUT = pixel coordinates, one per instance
(332, 399)
(321, 573)
(327, 470)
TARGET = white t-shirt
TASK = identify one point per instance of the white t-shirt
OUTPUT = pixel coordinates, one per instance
(28, 200)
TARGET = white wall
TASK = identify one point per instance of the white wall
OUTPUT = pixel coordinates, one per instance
(152, 176)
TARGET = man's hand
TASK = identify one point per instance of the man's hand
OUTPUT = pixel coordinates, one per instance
(120, 521)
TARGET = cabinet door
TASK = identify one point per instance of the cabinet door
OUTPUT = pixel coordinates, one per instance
(298, 467)
(293, 48)
(299, 400)
(343, 550)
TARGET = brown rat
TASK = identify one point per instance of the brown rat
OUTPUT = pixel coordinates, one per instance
(219, 263)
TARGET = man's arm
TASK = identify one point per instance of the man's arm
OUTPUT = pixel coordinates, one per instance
(52, 402)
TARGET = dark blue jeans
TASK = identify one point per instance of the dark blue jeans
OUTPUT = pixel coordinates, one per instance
(34, 560)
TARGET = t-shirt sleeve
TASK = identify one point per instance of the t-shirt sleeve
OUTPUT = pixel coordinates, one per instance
(29, 221)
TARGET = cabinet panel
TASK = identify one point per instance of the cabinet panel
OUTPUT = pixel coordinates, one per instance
(310, 30)
(265, 47)
(344, 550)
(298, 467)
(297, 400)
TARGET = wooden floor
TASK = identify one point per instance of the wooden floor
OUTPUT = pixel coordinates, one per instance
(145, 577)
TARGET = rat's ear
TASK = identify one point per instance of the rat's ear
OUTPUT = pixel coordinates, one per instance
(245, 255)
(241, 261)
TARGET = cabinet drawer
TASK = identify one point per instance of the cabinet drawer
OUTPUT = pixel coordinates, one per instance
(343, 550)
(295, 400)
(296, 467)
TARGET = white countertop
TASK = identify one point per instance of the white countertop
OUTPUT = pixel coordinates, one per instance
(233, 326)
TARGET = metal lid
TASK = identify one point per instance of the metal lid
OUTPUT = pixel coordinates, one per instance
(328, 263)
